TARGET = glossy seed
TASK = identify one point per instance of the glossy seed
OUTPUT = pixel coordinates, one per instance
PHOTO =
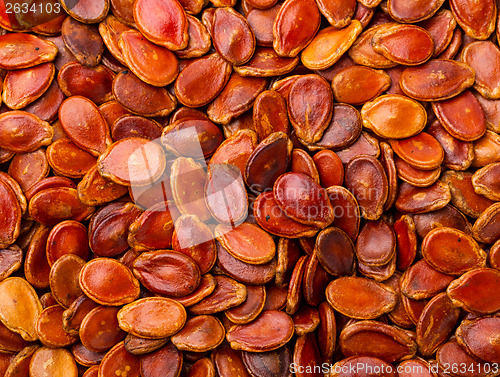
(310, 105)
(25, 50)
(303, 200)
(487, 81)
(68, 160)
(462, 116)
(477, 19)
(49, 328)
(24, 86)
(339, 294)
(251, 308)
(228, 294)
(243, 241)
(478, 338)
(83, 41)
(237, 97)
(451, 352)
(329, 167)
(193, 90)
(251, 337)
(421, 151)
(303, 163)
(417, 11)
(422, 281)
(452, 251)
(485, 181)
(291, 32)
(122, 162)
(245, 272)
(146, 317)
(385, 114)
(11, 213)
(187, 181)
(260, 175)
(163, 22)
(199, 39)
(167, 272)
(329, 45)
(458, 154)
(474, 291)
(14, 291)
(362, 52)
(142, 57)
(80, 119)
(270, 114)
(240, 47)
(57, 204)
(423, 199)
(23, 132)
(109, 282)
(141, 98)
(335, 251)
(366, 179)
(56, 362)
(199, 334)
(365, 337)
(436, 80)
(357, 84)
(265, 62)
(486, 228)
(194, 239)
(376, 243)
(404, 44)
(463, 194)
(437, 321)
(63, 279)
(87, 11)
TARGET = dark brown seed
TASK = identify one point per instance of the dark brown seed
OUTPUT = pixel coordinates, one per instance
(260, 174)
(335, 251)
(366, 179)
(83, 41)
